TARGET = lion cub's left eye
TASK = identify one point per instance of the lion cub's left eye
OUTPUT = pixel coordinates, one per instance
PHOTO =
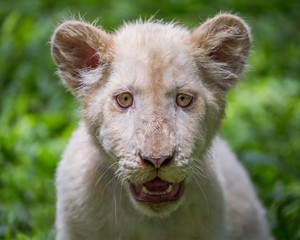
(124, 100)
(183, 99)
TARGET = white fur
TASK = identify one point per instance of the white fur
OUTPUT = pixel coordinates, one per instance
(154, 62)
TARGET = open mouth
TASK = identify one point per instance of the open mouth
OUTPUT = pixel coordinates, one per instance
(156, 191)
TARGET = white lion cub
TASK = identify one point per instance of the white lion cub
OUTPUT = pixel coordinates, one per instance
(145, 162)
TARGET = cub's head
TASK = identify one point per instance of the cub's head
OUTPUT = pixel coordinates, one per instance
(153, 96)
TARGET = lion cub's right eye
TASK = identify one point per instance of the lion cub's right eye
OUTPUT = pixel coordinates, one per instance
(184, 100)
(124, 100)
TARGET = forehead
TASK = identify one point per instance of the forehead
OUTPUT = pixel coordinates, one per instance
(153, 55)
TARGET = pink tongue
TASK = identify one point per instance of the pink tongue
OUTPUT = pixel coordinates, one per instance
(157, 185)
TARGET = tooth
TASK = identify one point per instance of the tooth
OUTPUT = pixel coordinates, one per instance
(169, 189)
(145, 190)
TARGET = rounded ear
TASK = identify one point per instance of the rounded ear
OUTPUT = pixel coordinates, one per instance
(78, 47)
(222, 47)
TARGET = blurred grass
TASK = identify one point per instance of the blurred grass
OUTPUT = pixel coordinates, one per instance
(37, 116)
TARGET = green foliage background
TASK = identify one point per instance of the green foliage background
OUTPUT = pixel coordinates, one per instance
(37, 115)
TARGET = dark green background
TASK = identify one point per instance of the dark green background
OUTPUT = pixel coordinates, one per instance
(37, 115)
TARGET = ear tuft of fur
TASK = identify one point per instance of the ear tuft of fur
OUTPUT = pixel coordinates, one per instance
(78, 47)
(222, 47)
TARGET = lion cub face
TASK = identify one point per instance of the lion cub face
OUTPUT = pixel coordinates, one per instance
(153, 95)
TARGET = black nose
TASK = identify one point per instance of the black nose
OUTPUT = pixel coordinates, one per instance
(156, 162)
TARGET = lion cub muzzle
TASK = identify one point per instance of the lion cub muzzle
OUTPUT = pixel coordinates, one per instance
(156, 141)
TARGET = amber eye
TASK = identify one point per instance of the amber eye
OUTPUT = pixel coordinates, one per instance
(124, 100)
(183, 99)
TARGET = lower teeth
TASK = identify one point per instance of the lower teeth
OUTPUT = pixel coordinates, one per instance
(146, 191)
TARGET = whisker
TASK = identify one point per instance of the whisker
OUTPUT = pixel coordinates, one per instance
(115, 207)
(113, 178)
(105, 172)
(198, 167)
(207, 205)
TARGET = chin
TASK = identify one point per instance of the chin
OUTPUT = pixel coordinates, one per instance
(156, 198)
